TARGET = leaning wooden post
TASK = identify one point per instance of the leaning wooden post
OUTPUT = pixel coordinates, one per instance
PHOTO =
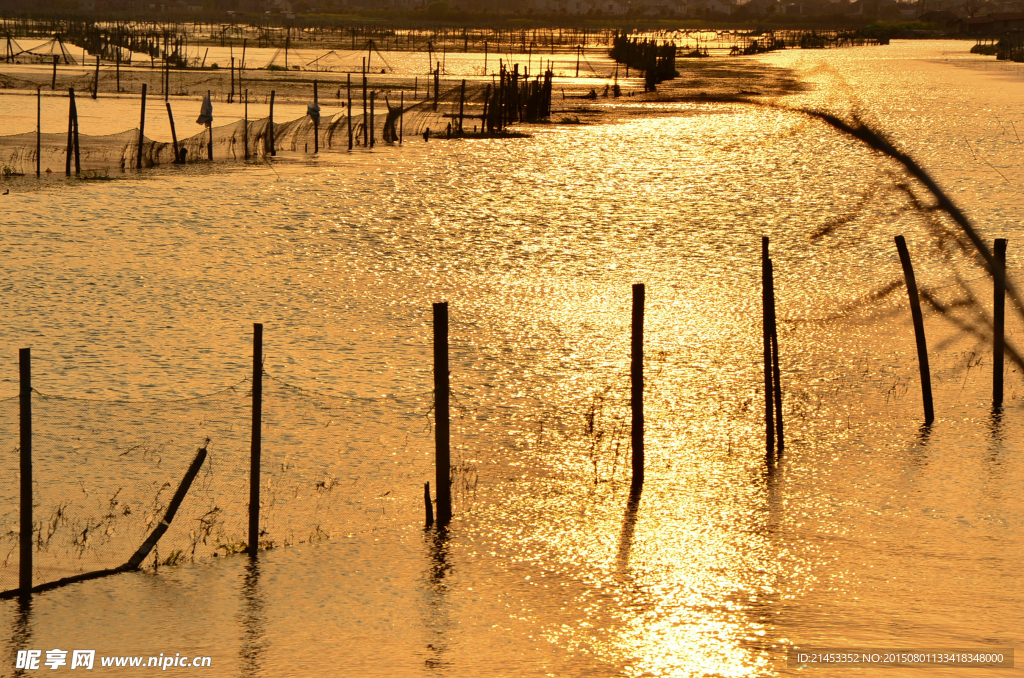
(766, 334)
(39, 129)
(776, 377)
(74, 136)
(316, 120)
(96, 80)
(348, 89)
(270, 127)
(999, 323)
(428, 509)
(636, 383)
(142, 127)
(26, 537)
(257, 430)
(174, 134)
(53, 82)
(442, 431)
(71, 140)
(915, 311)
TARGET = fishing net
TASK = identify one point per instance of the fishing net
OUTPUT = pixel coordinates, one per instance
(239, 140)
(105, 471)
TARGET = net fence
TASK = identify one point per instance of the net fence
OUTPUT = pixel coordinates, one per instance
(251, 139)
(105, 471)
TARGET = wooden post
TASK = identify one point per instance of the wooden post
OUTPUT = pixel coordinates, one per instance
(366, 130)
(442, 432)
(776, 378)
(578, 50)
(209, 127)
(462, 103)
(428, 509)
(636, 383)
(766, 331)
(142, 127)
(167, 78)
(348, 90)
(401, 118)
(915, 311)
(174, 134)
(71, 141)
(27, 532)
(96, 80)
(437, 84)
(74, 127)
(316, 121)
(373, 98)
(117, 68)
(998, 323)
(485, 58)
(39, 128)
(245, 127)
(257, 432)
(231, 96)
(53, 82)
(270, 127)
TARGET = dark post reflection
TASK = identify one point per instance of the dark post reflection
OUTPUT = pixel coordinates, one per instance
(21, 631)
(629, 526)
(253, 620)
(437, 620)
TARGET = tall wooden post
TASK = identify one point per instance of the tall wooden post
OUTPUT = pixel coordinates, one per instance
(442, 431)
(231, 96)
(270, 128)
(401, 118)
(142, 127)
(245, 126)
(39, 129)
(96, 80)
(209, 127)
(915, 312)
(117, 67)
(257, 440)
(766, 327)
(998, 323)
(776, 376)
(316, 121)
(348, 91)
(53, 82)
(373, 98)
(69, 153)
(636, 383)
(366, 130)
(27, 530)
(462, 103)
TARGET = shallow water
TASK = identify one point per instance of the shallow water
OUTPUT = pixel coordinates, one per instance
(872, 533)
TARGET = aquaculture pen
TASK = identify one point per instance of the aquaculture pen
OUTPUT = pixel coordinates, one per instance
(915, 312)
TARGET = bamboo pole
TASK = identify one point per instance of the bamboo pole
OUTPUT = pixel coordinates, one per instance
(270, 127)
(766, 329)
(348, 90)
(316, 121)
(257, 440)
(245, 127)
(462, 104)
(74, 136)
(209, 128)
(401, 118)
(636, 384)
(142, 127)
(373, 99)
(442, 430)
(428, 508)
(998, 323)
(69, 153)
(915, 311)
(776, 377)
(27, 529)
(39, 129)
(366, 131)
(96, 80)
